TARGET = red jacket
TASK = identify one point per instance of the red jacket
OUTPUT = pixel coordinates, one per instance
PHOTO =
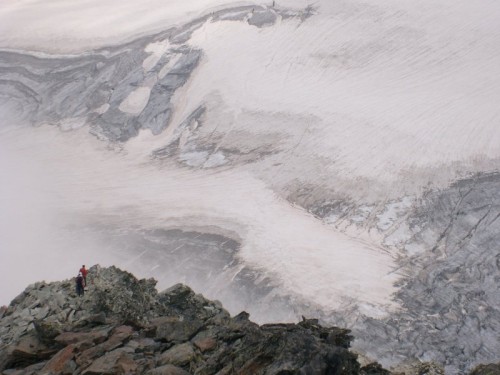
(84, 271)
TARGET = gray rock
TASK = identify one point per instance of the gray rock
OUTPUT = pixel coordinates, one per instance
(42, 313)
(178, 355)
(107, 364)
(47, 331)
(28, 350)
(61, 361)
(145, 344)
(262, 18)
(223, 346)
(122, 296)
(173, 328)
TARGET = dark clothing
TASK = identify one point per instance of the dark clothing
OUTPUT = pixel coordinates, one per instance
(79, 286)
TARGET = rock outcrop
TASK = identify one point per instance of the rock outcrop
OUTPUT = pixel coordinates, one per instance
(124, 326)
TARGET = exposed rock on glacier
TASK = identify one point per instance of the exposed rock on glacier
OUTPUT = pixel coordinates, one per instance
(449, 293)
(117, 90)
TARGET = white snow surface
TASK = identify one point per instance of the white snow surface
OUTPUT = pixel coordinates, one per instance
(398, 85)
(156, 51)
(60, 26)
(85, 178)
(135, 102)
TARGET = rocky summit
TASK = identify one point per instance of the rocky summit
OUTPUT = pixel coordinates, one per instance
(122, 325)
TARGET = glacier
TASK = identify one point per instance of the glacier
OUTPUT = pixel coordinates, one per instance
(336, 159)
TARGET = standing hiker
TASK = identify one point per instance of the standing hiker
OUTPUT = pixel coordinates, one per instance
(79, 285)
(84, 272)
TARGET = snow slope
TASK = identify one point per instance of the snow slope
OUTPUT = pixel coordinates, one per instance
(58, 26)
(86, 179)
(398, 86)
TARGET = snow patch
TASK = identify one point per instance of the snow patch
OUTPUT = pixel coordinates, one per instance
(215, 160)
(102, 109)
(136, 101)
(194, 158)
(156, 50)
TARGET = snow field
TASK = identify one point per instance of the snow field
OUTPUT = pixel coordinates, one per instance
(121, 189)
(63, 27)
(397, 86)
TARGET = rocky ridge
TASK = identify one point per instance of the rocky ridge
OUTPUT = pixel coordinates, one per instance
(124, 326)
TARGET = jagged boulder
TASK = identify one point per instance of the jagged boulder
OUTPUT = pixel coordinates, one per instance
(46, 330)
(62, 362)
(178, 355)
(26, 351)
(118, 361)
(180, 300)
(176, 329)
(124, 298)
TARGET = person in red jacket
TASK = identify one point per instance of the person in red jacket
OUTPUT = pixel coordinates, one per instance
(84, 272)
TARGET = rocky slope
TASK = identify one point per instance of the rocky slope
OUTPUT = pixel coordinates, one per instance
(124, 326)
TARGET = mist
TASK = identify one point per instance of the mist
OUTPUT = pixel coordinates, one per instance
(35, 243)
